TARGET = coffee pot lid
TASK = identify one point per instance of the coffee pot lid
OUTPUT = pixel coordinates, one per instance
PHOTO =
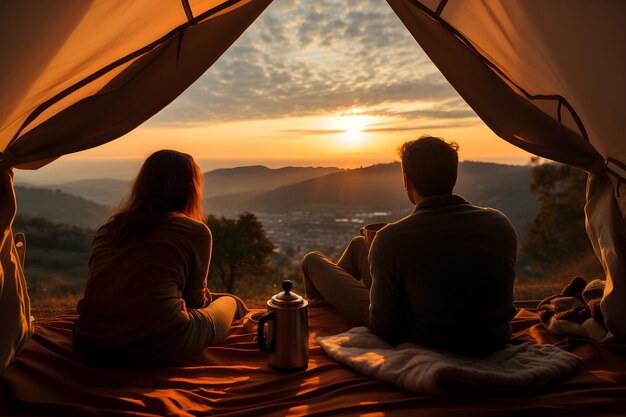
(286, 297)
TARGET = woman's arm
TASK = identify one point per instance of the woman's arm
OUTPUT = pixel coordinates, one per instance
(196, 294)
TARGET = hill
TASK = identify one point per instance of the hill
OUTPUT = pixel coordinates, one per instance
(323, 190)
(102, 191)
(59, 207)
(379, 188)
(504, 187)
(372, 188)
(257, 178)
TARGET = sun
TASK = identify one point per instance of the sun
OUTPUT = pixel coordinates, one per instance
(352, 126)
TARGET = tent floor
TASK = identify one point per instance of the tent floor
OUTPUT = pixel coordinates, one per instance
(233, 379)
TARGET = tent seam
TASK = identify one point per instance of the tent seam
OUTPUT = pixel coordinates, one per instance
(442, 4)
(617, 175)
(187, 9)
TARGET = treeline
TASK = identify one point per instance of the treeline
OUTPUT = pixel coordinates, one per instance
(556, 245)
(57, 255)
(43, 233)
(241, 253)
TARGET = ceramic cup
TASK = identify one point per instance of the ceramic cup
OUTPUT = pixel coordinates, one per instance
(369, 231)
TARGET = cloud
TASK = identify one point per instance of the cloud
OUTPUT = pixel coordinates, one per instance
(304, 58)
(313, 131)
(447, 125)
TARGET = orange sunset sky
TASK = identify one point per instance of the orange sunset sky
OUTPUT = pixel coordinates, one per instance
(330, 82)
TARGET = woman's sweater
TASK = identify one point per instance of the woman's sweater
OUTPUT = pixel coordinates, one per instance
(143, 303)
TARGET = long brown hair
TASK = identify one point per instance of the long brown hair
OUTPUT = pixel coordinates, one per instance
(168, 182)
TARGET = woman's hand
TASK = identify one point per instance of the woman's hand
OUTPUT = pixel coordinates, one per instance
(207, 297)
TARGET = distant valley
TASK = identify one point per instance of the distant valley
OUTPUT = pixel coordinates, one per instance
(259, 189)
(302, 209)
(255, 178)
(379, 188)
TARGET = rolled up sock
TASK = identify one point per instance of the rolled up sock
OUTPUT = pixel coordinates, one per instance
(594, 290)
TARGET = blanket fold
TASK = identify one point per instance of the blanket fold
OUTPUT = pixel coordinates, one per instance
(422, 370)
(576, 312)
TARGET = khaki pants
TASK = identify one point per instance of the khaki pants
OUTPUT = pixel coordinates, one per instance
(345, 284)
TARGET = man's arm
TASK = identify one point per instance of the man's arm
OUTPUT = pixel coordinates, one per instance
(387, 293)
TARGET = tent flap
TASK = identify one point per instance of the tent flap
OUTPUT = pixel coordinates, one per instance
(544, 85)
(606, 228)
(83, 74)
(15, 320)
(145, 86)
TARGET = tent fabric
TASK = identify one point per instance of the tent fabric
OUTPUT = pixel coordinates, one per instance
(546, 77)
(92, 81)
(16, 325)
(233, 379)
(77, 74)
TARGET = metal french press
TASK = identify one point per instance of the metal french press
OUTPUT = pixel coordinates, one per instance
(287, 343)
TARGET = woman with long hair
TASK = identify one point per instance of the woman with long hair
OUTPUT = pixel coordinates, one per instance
(146, 302)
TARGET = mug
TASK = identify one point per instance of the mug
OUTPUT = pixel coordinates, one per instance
(369, 231)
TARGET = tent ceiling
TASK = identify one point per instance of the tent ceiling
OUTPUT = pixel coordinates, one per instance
(78, 41)
(569, 50)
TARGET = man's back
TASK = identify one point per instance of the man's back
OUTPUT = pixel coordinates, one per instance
(443, 277)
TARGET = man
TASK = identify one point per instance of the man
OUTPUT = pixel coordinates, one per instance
(441, 277)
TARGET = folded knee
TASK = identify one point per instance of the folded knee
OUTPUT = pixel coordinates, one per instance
(312, 258)
(358, 244)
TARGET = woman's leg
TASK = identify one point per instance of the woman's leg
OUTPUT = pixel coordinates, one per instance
(221, 312)
(242, 308)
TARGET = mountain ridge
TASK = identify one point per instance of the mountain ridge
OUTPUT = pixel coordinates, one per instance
(257, 188)
(379, 188)
(110, 192)
(59, 207)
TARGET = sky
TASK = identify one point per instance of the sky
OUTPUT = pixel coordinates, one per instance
(310, 83)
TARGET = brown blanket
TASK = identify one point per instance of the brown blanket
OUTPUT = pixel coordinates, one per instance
(233, 379)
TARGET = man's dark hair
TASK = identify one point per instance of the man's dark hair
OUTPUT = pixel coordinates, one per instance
(431, 164)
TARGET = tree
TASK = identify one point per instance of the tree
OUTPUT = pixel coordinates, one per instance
(557, 233)
(240, 248)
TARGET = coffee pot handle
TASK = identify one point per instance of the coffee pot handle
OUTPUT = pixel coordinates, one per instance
(260, 333)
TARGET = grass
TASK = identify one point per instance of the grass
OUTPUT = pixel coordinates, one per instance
(586, 266)
(537, 290)
(59, 296)
(44, 306)
(49, 306)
